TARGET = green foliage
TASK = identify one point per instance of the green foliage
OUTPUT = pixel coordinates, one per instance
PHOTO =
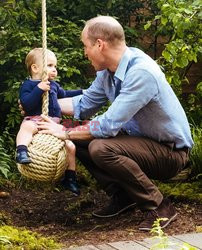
(185, 190)
(14, 238)
(76, 10)
(120, 9)
(196, 152)
(159, 235)
(20, 31)
(6, 161)
(162, 240)
(180, 23)
(4, 240)
(182, 19)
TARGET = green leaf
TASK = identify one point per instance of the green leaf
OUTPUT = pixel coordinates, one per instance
(164, 20)
(167, 55)
(199, 88)
(4, 171)
(165, 6)
(200, 15)
(147, 25)
(182, 61)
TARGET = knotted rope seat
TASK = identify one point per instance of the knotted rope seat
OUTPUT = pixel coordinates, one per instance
(47, 152)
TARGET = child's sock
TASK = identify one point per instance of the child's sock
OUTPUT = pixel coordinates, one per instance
(70, 174)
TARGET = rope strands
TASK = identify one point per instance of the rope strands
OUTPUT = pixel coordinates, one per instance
(44, 56)
(47, 152)
(48, 157)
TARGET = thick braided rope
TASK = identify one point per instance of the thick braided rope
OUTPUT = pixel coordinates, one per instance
(44, 52)
(47, 152)
(48, 157)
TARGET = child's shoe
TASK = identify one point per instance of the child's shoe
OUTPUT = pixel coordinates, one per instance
(23, 158)
(72, 186)
(69, 182)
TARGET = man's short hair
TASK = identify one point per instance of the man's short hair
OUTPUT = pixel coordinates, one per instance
(106, 28)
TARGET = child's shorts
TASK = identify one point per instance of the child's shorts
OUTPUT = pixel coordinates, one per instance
(38, 118)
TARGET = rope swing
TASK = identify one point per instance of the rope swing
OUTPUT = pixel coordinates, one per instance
(47, 152)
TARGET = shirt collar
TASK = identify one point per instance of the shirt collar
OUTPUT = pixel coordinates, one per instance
(122, 67)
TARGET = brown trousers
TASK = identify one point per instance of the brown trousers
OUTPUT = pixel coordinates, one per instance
(126, 164)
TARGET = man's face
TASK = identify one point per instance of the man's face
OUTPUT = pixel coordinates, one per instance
(92, 52)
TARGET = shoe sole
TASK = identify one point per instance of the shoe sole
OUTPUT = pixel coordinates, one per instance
(68, 189)
(25, 162)
(165, 225)
(75, 194)
(115, 214)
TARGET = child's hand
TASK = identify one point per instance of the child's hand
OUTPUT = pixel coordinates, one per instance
(45, 85)
(21, 108)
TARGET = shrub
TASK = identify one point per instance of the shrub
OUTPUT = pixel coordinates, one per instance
(179, 21)
(196, 153)
(6, 161)
(20, 31)
(14, 238)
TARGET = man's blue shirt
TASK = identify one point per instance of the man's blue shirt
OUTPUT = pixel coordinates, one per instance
(31, 97)
(146, 105)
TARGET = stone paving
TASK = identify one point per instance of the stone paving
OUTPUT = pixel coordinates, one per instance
(193, 239)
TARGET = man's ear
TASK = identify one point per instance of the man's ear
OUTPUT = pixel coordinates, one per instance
(101, 44)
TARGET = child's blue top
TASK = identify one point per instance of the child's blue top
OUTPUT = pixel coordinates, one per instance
(31, 97)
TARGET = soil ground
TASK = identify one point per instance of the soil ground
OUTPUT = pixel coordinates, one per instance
(68, 218)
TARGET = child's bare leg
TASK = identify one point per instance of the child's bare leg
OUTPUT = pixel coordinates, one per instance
(71, 155)
(69, 182)
(24, 137)
(27, 130)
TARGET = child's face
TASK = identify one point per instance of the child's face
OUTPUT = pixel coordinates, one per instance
(37, 68)
(51, 67)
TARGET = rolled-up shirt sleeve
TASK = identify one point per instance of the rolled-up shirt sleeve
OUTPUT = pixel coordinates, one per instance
(91, 101)
(76, 106)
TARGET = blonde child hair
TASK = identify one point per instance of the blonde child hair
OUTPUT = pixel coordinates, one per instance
(34, 56)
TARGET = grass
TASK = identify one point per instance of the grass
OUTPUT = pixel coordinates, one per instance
(182, 190)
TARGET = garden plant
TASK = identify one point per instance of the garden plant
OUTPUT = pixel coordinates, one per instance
(175, 22)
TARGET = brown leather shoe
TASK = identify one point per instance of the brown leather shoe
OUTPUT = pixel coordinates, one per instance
(165, 210)
(114, 208)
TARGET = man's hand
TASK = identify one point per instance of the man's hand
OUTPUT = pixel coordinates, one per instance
(44, 85)
(50, 127)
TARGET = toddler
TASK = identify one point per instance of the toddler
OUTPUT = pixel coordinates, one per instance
(31, 93)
